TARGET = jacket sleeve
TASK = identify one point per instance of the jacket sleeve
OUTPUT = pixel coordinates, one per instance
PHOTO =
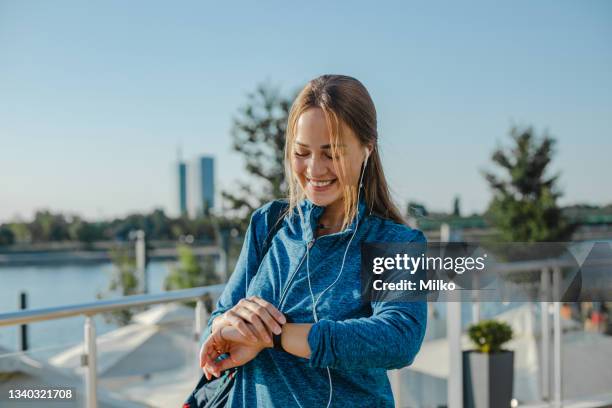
(246, 267)
(390, 338)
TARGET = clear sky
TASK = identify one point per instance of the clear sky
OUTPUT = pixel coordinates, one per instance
(95, 98)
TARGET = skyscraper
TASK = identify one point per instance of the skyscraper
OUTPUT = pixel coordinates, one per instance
(202, 191)
(182, 187)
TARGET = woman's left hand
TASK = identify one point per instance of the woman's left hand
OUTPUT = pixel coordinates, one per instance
(228, 340)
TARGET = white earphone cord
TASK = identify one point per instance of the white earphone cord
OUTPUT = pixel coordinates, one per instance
(314, 302)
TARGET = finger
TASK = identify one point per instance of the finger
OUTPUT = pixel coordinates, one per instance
(210, 348)
(272, 310)
(202, 355)
(260, 329)
(214, 351)
(210, 371)
(211, 356)
(240, 325)
(205, 349)
(223, 365)
(206, 373)
(264, 314)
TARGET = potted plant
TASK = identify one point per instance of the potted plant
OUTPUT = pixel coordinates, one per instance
(488, 371)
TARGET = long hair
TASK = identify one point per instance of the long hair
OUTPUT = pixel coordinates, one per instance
(345, 102)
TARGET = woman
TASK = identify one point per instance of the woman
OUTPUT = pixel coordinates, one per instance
(291, 316)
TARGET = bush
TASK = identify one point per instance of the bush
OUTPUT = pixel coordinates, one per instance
(490, 335)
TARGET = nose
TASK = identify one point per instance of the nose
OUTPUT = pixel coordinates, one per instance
(316, 167)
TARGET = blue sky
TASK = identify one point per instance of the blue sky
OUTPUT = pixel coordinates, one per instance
(95, 98)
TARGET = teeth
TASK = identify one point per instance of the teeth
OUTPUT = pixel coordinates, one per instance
(320, 183)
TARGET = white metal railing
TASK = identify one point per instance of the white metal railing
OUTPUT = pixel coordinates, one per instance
(89, 310)
(547, 268)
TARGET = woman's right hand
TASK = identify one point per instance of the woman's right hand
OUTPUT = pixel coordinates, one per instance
(263, 317)
(227, 340)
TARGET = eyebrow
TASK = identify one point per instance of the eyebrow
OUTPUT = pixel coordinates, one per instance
(325, 146)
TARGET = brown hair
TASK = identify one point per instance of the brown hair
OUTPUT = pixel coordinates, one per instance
(344, 101)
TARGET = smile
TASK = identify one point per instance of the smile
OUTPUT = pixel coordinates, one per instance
(320, 183)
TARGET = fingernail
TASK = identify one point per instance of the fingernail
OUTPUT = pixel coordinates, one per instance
(277, 330)
(268, 339)
(283, 320)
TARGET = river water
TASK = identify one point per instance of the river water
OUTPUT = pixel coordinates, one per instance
(49, 286)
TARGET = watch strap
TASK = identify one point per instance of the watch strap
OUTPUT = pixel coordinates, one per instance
(276, 340)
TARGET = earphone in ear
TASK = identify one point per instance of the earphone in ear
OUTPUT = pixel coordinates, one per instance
(367, 152)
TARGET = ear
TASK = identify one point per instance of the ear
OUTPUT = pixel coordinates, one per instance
(367, 151)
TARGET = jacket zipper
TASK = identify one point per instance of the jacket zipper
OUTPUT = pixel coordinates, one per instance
(283, 295)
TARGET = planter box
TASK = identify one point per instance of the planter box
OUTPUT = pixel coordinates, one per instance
(487, 379)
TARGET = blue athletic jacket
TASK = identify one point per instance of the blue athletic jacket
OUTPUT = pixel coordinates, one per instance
(358, 341)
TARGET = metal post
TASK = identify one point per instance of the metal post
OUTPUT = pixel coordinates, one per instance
(455, 375)
(453, 335)
(23, 329)
(445, 232)
(557, 332)
(199, 320)
(226, 236)
(475, 298)
(90, 361)
(141, 261)
(545, 334)
(223, 261)
(396, 386)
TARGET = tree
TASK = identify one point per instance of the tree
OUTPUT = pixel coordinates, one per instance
(83, 231)
(417, 210)
(49, 227)
(190, 273)
(124, 280)
(258, 134)
(524, 206)
(7, 237)
(21, 232)
(457, 207)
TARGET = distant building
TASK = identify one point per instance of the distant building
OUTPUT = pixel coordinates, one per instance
(182, 187)
(202, 191)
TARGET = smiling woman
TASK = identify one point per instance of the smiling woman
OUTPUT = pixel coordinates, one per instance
(291, 318)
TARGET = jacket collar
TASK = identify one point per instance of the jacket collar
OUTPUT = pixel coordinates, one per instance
(312, 212)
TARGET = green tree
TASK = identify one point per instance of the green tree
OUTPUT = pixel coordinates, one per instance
(49, 227)
(160, 224)
(83, 231)
(21, 232)
(417, 210)
(123, 280)
(258, 134)
(191, 273)
(524, 206)
(457, 207)
(7, 237)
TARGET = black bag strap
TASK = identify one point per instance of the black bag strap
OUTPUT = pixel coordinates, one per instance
(277, 212)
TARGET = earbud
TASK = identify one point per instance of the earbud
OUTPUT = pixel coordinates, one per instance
(367, 152)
